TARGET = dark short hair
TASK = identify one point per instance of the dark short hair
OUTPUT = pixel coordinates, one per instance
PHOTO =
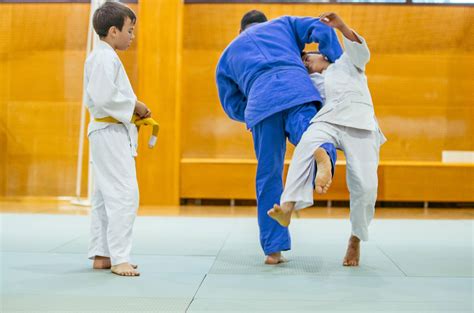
(111, 14)
(251, 17)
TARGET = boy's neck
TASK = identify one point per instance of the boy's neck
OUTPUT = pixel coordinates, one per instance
(108, 41)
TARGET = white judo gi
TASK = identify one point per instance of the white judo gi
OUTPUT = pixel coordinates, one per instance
(347, 120)
(108, 92)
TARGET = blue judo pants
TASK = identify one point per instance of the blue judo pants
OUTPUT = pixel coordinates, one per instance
(269, 138)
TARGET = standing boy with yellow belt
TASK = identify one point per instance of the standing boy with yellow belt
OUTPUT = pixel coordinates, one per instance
(109, 96)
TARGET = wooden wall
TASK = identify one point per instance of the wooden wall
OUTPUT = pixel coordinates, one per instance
(421, 78)
(159, 48)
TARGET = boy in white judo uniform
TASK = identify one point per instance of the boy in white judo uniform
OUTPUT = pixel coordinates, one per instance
(113, 141)
(347, 120)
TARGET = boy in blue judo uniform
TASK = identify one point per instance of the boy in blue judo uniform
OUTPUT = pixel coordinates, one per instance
(263, 82)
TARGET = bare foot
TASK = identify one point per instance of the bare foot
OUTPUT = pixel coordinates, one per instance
(280, 214)
(103, 263)
(353, 252)
(323, 176)
(124, 269)
(275, 258)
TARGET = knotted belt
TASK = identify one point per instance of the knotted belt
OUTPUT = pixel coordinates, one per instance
(138, 122)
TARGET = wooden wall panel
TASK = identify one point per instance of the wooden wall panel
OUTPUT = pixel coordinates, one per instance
(159, 47)
(42, 52)
(426, 181)
(398, 181)
(5, 33)
(390, 28)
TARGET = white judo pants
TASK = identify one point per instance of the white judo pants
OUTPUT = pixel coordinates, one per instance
(361, 148)
(115, 196)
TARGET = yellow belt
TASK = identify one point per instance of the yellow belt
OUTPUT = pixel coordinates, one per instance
(107, 119)
(138, 123)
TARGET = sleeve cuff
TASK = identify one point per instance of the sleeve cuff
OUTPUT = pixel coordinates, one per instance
(126, 114)
(358, 53)
(348, 42)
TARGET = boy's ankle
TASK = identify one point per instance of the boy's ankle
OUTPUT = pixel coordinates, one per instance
(101, 258)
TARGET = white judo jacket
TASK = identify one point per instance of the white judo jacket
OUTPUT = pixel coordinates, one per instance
(343, 85)
(108, 92)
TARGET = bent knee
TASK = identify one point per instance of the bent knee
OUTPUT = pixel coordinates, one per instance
(365, 190)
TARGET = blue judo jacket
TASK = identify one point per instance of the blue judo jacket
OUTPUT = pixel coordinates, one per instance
(261, 73)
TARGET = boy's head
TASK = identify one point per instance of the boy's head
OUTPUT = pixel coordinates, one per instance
(251, 18)
(314, 61)
(114, 23)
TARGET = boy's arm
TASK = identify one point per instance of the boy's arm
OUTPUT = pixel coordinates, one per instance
(309, 30)
(355, 46)
(232, 100)
(105, 94)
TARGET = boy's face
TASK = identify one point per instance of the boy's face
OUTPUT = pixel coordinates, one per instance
(123, 39)
(315, 63)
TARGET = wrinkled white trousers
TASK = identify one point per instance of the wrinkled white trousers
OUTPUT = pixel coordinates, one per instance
(115, 197)
(361, 148)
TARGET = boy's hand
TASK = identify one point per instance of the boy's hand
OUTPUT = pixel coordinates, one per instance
(332, 19)
(142, 110)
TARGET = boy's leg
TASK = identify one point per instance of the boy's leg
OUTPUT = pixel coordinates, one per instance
(361, 148)
(297, 121)
(98, 248)
(299, 185)
(270, 145)
(115, 174)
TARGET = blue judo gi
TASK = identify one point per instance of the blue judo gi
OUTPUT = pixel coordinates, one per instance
(262, 81)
